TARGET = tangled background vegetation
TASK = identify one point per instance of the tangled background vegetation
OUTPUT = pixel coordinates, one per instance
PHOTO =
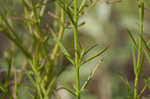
(74, 49)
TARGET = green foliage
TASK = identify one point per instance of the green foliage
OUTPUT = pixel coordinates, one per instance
(65, 52)
(40, 38)
(130, 95)
(90, 76)
(140, 50)
(41, 58)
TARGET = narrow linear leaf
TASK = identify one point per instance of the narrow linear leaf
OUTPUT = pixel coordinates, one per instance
(36, 14)
(36, 73)
(146, 49)
(85, 52)
(36, 83)
(65, 52)
(8, 26)
(70, 8)
(143, 90)
(47, 91)
(82, 54)
(145, 44)
(81, 24)
(26, 5)
(132, 38)
(43, 90)
(2, 88)
(17, 43)
(134, 47)
(30, 78)
(98, 54)
(38, 80)
(128, 86)
(43, 7)
(93, 3)
(83, 3)
(90, 76)
(147, 81)
(68, 89)
(67, 10)
(52, 83)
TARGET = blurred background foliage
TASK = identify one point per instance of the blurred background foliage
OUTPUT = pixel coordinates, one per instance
(104, 24)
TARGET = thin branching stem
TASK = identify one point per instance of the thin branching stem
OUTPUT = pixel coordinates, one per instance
(140, 55)
(60, 35)
(56, 48)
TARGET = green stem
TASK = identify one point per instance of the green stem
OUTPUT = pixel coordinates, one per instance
(60, 35)
(136, 86)
(139, 57)
(56, 48)
(76, 49)
(77, 83)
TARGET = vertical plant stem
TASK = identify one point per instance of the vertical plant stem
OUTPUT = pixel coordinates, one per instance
(139, 57)
(76, 49)
(136, 86)
(56, 48)
(77, 83)
(60, 35)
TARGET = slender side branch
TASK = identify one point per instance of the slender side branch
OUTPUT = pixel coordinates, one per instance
(56, 48)
(60, 35)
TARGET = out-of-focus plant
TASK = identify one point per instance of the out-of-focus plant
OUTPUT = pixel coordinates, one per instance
(140, 50)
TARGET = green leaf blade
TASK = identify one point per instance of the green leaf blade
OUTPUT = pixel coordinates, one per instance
(98, 54)
(63, 49)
